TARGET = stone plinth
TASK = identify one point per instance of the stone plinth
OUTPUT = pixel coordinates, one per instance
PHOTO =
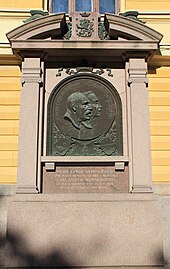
(84, 230)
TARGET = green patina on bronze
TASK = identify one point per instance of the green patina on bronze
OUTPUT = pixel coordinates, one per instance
(85, 28)
(68, 35)
(36, 14)
(87, 31)
(131, 14)
(103, 34)
(84, 118)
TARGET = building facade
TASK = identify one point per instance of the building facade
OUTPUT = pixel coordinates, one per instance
(154, 14)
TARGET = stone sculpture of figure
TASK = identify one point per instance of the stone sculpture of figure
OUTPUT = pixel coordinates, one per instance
(79, 111)
(96, 106)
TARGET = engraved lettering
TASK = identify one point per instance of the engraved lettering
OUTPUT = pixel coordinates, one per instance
(86, 179)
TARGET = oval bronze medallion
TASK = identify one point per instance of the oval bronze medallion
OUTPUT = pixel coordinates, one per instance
(84, 118)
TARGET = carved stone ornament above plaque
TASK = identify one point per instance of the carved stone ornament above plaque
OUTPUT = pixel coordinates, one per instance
(85, 26)
(84, 118)
(70, 71)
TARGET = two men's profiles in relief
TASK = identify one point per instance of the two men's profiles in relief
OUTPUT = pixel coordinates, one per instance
(84, 119)
(82, 108)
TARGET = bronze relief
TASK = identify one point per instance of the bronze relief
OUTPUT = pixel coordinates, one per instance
(84, 118)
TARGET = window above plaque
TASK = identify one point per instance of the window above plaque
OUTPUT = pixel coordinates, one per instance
(70, 6)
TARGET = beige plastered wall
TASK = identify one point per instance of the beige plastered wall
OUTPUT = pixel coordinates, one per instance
(12, 14)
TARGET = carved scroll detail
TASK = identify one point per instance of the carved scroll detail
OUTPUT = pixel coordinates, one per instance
(70, 71)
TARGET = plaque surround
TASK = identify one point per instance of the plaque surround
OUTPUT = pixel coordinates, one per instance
(71, 213)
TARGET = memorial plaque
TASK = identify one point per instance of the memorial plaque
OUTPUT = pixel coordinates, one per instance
(85, 179)
(84, 118)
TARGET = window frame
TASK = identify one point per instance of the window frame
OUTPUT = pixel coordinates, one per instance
(95, 6)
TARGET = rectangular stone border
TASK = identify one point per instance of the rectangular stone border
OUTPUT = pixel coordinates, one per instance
(88, 159)
(84, 197)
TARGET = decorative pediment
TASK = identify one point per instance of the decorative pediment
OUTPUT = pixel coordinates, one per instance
(55, 27)
(50, 26)
(129, 29)
(82, 36)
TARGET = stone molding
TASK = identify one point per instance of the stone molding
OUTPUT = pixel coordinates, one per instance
(31, 75)
(141, 189)
(130, 29)
(44, 27)
(137, 75)
(27, 189)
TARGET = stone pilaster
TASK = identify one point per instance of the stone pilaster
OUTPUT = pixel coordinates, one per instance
(139, 127)
(29, 122)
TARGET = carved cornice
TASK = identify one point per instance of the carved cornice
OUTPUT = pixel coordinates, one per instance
(9, 59)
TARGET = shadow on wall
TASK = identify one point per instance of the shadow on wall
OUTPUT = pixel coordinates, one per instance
(16, 248)
(13, 246)
(3, 224)
(2, 248)
(160, 259)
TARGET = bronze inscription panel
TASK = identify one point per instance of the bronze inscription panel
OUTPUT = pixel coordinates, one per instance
(84, 118)
(85, 179)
